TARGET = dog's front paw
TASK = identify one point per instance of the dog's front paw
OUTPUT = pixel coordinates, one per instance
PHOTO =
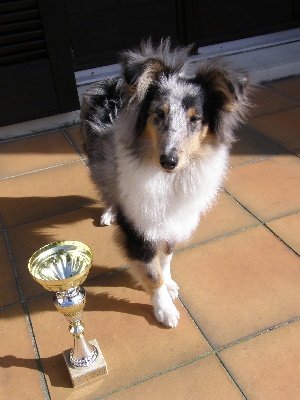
(167, 315)
(164, 309)
(172, 288)
(108, 217)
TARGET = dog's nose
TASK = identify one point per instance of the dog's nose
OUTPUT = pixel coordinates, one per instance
(168, 162)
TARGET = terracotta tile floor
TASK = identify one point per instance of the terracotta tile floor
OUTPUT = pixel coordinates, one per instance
(239, 332)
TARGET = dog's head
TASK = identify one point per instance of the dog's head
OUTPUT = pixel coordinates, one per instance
(179, 118)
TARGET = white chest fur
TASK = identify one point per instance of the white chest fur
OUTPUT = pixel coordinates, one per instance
(167, 207)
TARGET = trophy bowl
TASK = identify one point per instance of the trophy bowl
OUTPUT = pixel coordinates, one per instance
(62, 267)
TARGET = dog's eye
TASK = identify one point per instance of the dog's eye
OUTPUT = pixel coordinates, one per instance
(160, 114)
(194, 118)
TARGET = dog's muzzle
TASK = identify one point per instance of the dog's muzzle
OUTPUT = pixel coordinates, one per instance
(169, 162)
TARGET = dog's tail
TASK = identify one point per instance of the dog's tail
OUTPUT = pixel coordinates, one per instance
(101, 104)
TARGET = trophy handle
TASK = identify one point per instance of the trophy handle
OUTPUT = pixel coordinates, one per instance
(70, 303)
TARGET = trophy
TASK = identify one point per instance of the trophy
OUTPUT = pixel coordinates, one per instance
(62, 267)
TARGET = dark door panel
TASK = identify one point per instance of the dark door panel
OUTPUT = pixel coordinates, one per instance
(27, 92)
(217, 21)
(101, 29)
(36, 66)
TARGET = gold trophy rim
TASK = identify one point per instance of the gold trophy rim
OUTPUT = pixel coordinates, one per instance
(60, 285)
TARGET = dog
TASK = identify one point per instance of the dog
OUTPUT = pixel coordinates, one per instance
(158, 140)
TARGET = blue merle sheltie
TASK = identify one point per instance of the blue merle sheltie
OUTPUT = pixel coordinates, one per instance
(157, 140)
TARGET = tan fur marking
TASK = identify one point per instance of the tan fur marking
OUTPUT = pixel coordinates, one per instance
(169, 248)
(197, 144)
(149, 75)
(166, 108)
(131, 90)
(151, 132)
(206, 136)
(192, 112)
(147, 275)
(204, 133)
(220, 85)
(150, 129)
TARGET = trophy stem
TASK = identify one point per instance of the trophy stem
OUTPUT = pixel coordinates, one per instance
(83, 354)
(71, 303)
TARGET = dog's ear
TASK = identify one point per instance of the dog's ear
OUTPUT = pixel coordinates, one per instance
(142, 66)
(138, 76)
(226, 95)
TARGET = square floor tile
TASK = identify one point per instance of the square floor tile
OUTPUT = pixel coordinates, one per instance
(287, 229)
(252, 146)
(266, 101)
(45, 193)
(79, 225)
(240, 285)
(75, 136)
(19, 375)
(33, 153)
(290, 86)
(225, 217)
(269, 189)
(204, 379)
(282, 127)
(8, 289)
(267, 366)
(121, 318)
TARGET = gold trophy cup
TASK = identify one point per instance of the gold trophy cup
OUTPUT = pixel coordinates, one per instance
(62, 267)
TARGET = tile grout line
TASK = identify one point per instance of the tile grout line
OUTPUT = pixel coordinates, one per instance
(282, 93)
(254, 216)
(267, 157)
(293, 152)
(213, 352)
(265, 223)
(43, 380)
(247, 337)
(267, 138)
(93, 202)
(35, 134)
(11, 305)
(65, 133)
(231, 377)
(281, 240)
(255, 335)
(39, 170)
(218, 238)
(292, 107)
(155, 375)
(83, 159)
(237, 342)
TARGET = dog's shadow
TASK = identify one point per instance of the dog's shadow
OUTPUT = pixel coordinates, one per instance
(108, 302)
(96, 219)
(37, 236)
